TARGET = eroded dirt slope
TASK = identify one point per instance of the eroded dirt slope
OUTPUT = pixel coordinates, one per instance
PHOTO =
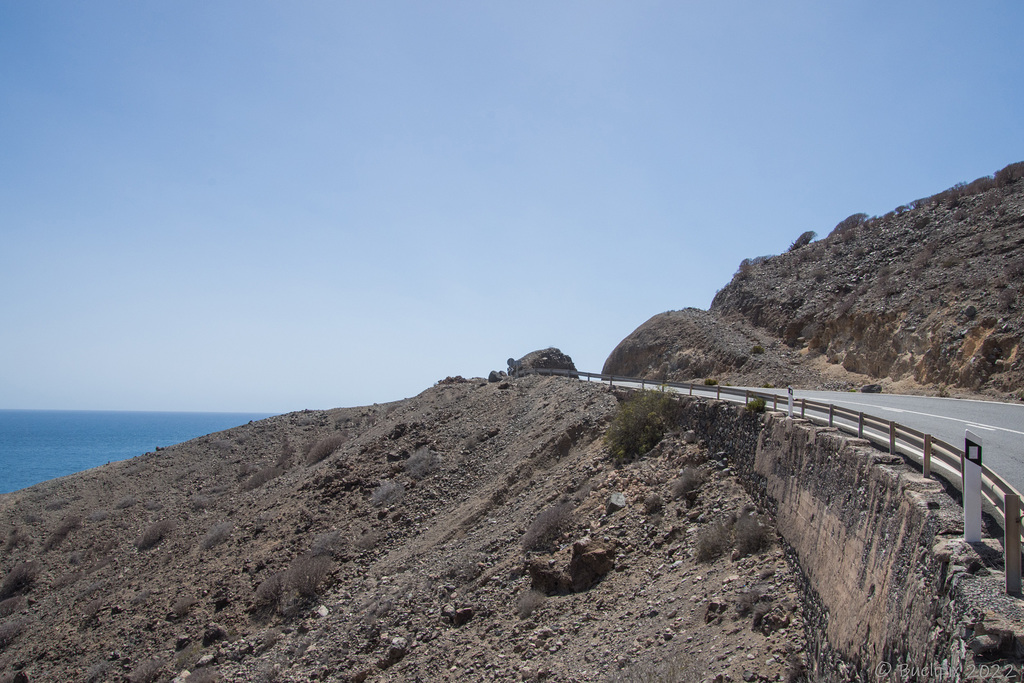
(392, 542)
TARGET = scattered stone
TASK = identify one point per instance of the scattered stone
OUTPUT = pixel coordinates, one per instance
(397, 649)
(616, 502)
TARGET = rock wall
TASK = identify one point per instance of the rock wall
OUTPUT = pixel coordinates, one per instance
(891, 589)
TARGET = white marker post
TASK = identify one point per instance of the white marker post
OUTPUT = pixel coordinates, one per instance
(790, 389)
(970, 469)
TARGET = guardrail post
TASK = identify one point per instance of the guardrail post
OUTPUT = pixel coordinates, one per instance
(803, 407)
(643, 383)
(892, 437)
(970, 471)
(746, 396)
(775, 402)
(1011, 542)
(691, 388)
(718, 392)
(926, 464)
(831, 414)
(860, 425)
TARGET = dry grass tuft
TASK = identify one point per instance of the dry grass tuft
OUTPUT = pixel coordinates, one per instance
(548, 526)
(323, 448)
(153, 534)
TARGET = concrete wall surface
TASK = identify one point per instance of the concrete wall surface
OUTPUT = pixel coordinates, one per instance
(891, 590)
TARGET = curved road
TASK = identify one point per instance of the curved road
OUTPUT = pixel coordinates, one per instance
(1000, 425)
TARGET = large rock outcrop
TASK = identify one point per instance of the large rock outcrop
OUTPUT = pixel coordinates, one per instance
(931, 295)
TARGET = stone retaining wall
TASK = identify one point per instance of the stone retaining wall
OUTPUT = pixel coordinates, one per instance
(892, 592)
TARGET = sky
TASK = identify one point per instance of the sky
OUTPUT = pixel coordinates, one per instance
(270, 206)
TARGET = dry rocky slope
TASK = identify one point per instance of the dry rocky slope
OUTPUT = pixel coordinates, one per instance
(400, 542)
(926, 299)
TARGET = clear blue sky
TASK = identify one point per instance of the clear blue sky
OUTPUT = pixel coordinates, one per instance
(270, 206)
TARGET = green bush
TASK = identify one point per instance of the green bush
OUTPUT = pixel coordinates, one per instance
(639, 425)
(756, 405)
(710, 382)
(757, 349)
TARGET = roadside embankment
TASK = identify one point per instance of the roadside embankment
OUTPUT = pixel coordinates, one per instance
(891, 588)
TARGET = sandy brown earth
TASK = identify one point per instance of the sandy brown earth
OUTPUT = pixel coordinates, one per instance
(401, 542)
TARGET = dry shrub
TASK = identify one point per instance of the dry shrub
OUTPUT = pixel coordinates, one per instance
(12, 605)
(91, 609)
(367, 539)
(100, 671)
(9, 630)
(201, 502)
(688, 483)
(323, 448)
(99, 515)
(746, 601)
(752, 535)
(270, 593)
(262, 477)
(141, 598)
(147, 672)
(182, 605)
(803, 240)
(19, 579)
(207, 674)
(328, 544)
(68, 525)
(653, 503)
(308, 573)
(712, 541)
(421, 463)
(548, 526)
(287, 453)
(153, 534)
(15, 538)
(678, 668)
(126, 502)
(529, 602)
(388, 493)
(216, 535)
(68, 579)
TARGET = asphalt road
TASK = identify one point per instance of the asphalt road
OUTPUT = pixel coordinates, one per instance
(1000, 425)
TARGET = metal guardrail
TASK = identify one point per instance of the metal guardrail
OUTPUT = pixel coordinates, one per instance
(1000, 499)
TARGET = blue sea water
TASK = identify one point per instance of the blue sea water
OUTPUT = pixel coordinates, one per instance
(36, 445)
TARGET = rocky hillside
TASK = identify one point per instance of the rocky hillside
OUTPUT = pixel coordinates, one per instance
(926, 298)
(478, 531)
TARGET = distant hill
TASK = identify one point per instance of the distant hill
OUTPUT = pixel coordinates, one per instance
(926, 299)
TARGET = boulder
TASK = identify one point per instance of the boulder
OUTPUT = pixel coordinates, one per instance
(546, 579)
(544, 359)
(616, 502)
(591, 560)
(871, 389)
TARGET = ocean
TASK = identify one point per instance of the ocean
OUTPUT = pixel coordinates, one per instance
(36, 445)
